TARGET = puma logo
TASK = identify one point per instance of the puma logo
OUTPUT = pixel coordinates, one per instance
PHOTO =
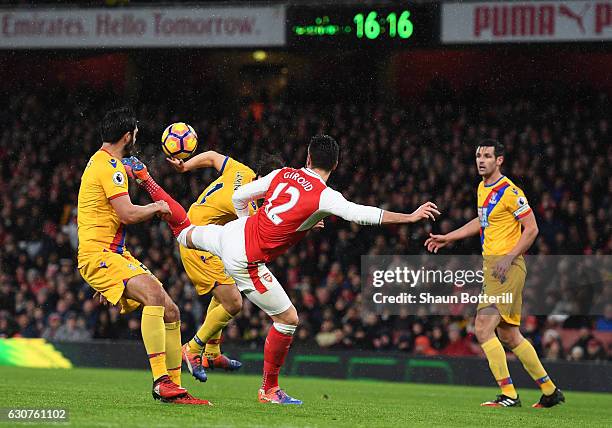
(569, 13)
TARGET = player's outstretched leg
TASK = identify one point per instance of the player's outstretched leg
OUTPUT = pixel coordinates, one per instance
(138, 171)
(524, 350)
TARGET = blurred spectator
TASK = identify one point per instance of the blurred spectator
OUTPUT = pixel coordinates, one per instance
(327, 336)
(422, 346)
(595, 351)
(27, 328)
(73, 330)
(457, 344)
(132, 332)
(576, 354)
(531, 331)
(583, 339)
(604, 323)
(554, 350)
(439, 338)
(53, 326)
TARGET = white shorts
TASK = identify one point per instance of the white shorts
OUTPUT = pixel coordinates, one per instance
(253, 279)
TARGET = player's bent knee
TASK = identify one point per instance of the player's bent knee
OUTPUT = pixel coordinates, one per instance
(483, 330)
(510, 337)
(504, 340)
(146, 290)
(233, 306)
(184, 238)
(289, 317)
(229, 297)
(487, 320)
(483, 334)
(154, 296)
(171, 312)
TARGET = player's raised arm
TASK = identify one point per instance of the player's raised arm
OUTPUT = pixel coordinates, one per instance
(435, 242)
(333, 202)
(252, 191)
(209, 159)
(425, 211)
(129, 213)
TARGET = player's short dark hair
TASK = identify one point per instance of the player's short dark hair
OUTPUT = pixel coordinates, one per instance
(268, 163)
(498, 148)
(116, 123)
(324, 152)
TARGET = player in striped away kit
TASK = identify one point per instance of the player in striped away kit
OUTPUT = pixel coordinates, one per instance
(507, 228)
(104, 208)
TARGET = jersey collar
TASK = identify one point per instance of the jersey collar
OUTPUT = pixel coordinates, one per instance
(107, 152)
(493, 184)
(313, 174)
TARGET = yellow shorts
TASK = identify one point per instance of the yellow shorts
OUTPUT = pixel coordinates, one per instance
(510, 291)
(204, 269)
(108, 273)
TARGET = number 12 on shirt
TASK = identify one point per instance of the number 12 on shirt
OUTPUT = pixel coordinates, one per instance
(273, 211)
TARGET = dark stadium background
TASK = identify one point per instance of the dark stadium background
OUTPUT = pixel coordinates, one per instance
(407, 121)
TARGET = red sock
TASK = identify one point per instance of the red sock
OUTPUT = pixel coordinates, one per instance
(178, 219)
(275, 350)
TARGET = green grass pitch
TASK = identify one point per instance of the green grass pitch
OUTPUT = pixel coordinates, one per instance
(122, 398)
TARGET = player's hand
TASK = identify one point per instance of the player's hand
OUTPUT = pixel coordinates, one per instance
(435, 242)
(178, 164)
(163, 209)
(425, 211)
(101, 298)
(501, 267)
(319, 225)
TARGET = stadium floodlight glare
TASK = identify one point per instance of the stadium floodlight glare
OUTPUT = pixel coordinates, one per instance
(260, 56)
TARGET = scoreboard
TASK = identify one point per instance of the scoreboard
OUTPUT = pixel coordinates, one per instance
(355, 27)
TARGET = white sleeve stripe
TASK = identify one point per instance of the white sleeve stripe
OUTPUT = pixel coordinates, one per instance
(521, 210)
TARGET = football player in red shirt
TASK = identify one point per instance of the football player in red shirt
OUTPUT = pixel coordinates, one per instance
(295, 201)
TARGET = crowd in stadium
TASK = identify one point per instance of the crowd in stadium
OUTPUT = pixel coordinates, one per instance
(558, 151)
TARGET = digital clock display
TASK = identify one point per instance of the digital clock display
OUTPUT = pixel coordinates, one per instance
(338, 27)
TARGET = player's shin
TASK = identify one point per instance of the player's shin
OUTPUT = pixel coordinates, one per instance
(178, 219)
(174, 357)
(154, 338)
(213, 344)
(496, 356)
(216, 319)
(528, 356)
(276, 349)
